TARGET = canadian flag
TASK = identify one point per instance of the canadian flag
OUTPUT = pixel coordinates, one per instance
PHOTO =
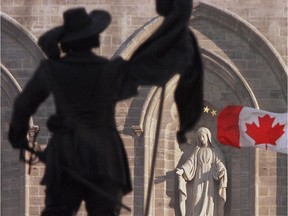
(248, 127)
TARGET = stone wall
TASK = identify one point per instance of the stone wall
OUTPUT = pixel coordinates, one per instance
(269, 17)
(244, 46)
(37, 16)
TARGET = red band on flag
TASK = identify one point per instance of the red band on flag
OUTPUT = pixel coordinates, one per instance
(227, 124)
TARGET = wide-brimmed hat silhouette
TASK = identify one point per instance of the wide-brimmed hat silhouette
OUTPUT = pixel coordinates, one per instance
(78, 25)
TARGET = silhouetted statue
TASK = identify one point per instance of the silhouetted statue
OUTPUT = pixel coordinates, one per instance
(208, 175)
(85, 146)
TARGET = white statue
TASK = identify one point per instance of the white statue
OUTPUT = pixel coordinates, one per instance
(205, 172)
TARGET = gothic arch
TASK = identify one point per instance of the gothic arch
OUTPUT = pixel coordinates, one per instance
(234, 24)
(12, 171)
(20, 34)
(9, 84)
(19, 57)
(231, 76)
(237, 85)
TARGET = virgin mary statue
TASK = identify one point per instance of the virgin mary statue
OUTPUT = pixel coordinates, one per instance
(205, 172)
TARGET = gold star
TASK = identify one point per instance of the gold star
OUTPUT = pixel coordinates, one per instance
(213, 112)
(206, 109)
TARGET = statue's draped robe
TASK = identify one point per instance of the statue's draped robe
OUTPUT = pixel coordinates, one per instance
(208, 192)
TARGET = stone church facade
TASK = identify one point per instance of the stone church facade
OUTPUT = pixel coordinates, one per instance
(244, 49)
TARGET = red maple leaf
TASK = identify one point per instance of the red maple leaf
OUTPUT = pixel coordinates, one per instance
(265, 133)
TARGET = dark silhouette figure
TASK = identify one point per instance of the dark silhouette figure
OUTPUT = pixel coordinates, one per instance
(85, 145)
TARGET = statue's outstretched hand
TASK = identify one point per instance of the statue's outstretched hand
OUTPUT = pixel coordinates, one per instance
(179, 171)
(221, 174)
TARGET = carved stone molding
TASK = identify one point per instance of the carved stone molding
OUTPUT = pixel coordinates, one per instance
(138, 131)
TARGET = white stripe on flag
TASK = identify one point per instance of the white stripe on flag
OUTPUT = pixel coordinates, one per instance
(250, 116)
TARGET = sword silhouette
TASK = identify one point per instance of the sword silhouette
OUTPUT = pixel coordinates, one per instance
(74, 175)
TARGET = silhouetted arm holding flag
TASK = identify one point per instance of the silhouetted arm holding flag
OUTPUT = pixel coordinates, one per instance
(172, 49)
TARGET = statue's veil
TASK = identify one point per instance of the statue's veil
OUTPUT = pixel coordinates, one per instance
(208, 133)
